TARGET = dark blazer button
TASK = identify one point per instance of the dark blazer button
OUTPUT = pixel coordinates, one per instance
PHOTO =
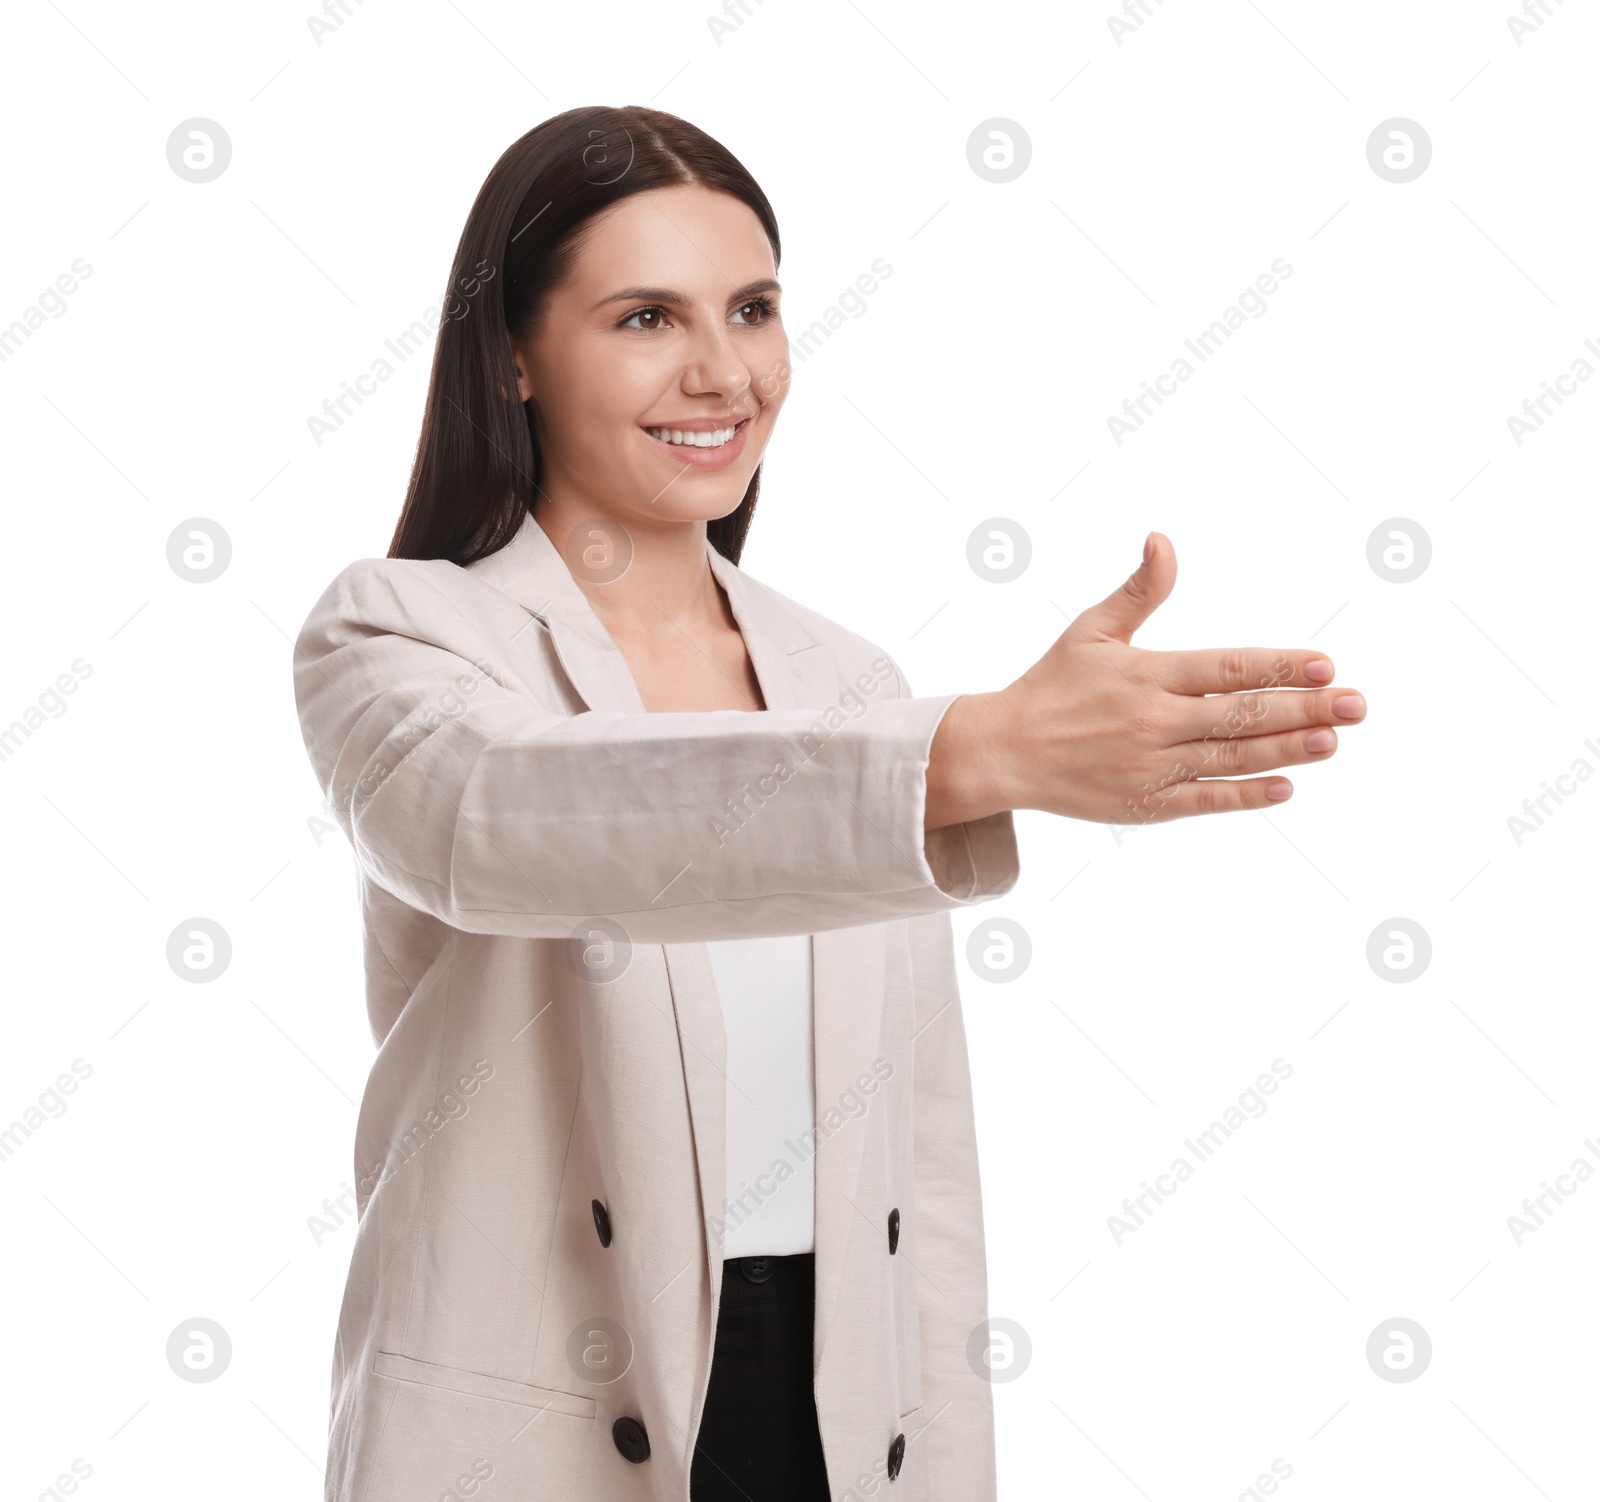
(894, 1231)
(631, 1439)
(897, 1453)
(602, 1224)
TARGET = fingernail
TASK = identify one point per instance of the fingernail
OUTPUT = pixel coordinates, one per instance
(1349, 706)
(1319, 671)
(1319, 740)
(1149, 547)
(1278, 791)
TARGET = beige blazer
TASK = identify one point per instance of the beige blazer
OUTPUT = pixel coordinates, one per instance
(533, 1290)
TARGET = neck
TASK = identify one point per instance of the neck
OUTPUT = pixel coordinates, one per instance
(667, 586)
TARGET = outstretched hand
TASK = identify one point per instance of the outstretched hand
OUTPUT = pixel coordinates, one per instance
(1102, 730)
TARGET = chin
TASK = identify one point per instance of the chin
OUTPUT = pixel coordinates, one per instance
(690, 508)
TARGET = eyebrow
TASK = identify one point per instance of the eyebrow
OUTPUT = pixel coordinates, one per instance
(682, 300)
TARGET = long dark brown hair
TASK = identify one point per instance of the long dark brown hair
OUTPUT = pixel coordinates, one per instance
(478, 465)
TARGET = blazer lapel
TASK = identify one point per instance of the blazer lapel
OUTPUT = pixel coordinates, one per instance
(532, 571)
(795, 671)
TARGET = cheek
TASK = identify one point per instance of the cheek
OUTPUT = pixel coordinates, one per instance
(771, 376)
(587, 406)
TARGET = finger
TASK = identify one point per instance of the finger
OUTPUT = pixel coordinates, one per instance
(1264, 712)
(1242, 754)
(1131, 604)
(1226, 670)
(1205, 795)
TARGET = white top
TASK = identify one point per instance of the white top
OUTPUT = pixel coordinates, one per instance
(765, 989)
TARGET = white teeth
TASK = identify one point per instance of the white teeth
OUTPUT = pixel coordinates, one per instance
(712, 440)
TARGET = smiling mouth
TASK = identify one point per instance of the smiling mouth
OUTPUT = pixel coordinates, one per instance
(715, 438)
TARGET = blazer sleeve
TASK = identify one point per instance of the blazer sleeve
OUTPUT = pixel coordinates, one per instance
(471, 801)
(948, 1249)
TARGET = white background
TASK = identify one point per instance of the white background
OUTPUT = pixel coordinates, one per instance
(1170, 967)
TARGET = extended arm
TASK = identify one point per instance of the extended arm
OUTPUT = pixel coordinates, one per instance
(473, 802)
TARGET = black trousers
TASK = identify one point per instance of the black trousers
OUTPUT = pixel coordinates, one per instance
(758, 1439)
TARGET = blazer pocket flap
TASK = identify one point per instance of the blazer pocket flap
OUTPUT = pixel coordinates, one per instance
(478, 1385)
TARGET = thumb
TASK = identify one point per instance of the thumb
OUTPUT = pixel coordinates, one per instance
(1134, 601)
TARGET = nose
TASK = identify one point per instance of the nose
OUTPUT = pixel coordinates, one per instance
(715, 367)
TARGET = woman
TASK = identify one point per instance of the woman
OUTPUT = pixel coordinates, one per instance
(667, 1175)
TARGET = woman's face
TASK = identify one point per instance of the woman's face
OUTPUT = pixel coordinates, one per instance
(667, 325)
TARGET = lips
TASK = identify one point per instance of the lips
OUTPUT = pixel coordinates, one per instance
(696, 428)
(691, 456)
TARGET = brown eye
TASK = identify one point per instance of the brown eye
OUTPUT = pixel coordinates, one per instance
(643, 313)
(764, 308)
